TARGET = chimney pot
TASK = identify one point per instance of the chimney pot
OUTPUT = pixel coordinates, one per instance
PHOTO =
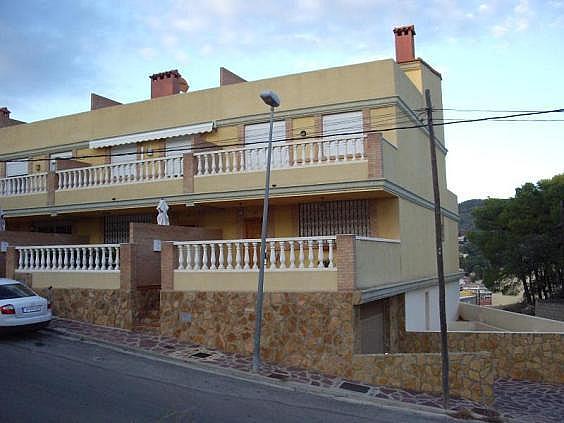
(167, 83)
(405, 43)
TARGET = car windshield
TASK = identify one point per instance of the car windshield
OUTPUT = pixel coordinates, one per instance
(15, 290)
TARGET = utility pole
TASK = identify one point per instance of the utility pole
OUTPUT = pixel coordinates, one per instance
(439, 249)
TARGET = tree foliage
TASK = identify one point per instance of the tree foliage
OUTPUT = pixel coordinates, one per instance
(523, 238)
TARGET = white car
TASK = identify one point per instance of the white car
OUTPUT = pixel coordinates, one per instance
(20, 307)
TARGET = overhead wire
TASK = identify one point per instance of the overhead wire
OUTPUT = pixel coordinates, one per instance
(220, 143)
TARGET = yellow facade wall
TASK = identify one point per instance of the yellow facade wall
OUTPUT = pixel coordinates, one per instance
(384, 118)
(26, 201)
(94, 157)
(93, 228)
(223, 136)
(363, 81)
(307, 175)
(303, 124)
(386, 218)
(118, 192)
(90, 280)
(283, 281)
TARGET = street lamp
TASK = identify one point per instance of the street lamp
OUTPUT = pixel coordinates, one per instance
(272, 100)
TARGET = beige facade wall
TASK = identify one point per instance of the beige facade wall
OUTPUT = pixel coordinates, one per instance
(83, 280)
(275, 281)
(377, 263)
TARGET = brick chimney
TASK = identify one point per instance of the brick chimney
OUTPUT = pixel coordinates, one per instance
(405, 45)
(4, 114)
(167, 83)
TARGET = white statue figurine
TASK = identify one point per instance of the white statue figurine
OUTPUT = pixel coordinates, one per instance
(162, 209)
(2, 220)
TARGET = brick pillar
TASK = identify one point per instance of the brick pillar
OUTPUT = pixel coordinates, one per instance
(317, 125)
(241, 134)
(366, 122)
(2, 170)
(52, 183)
(374, 155)
(127, 267)
(346, 262)
(189, 170)
(168, 263)
(11, 262)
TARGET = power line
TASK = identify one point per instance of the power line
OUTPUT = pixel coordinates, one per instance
(351, 133)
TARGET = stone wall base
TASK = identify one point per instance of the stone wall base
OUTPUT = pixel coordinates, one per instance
(471, 375)
(308, 330)
(107, 307)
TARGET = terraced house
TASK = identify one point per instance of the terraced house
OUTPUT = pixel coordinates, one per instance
(350, 257)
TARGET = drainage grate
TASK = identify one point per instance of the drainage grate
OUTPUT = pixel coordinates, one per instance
(278, 376)
(354, 387)
(201, 355)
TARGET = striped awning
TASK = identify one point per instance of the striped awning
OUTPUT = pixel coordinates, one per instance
(153, 135)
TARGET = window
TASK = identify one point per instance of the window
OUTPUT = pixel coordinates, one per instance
(56, 227)
(256, 135)
(16, 168)
(16, 290)
(124, 154)
(175, 147)
(334, 217)
(343, 123)
(116, 228)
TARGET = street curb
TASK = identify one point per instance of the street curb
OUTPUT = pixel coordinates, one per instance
(335, 393)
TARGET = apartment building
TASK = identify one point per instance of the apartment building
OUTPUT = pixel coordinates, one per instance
(351, 228)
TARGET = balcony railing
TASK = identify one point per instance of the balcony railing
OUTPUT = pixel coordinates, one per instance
(34, 183)
(71, 258)
(158, 169)
(284, 155)
(300, 253)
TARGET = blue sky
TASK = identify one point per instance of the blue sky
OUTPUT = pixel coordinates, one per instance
(498, 54)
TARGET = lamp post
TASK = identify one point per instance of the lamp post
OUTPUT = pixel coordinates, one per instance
(272, 100)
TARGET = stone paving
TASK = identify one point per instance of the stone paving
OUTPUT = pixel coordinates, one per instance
(517, 400)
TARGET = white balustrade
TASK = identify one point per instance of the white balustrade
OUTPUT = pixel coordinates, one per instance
(26, 184)
(69, 258)
(284, 155)
(241, 255)
(158, 169)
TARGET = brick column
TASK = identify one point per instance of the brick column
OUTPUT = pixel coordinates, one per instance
(2, 170)
(168, 263)
(346, 262)
(366, 122)
(189, 169)
(11, 262)
(374, 155)
(52, 183)
(317, 125)
(127, 267)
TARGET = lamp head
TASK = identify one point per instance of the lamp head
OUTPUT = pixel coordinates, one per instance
(270, 98)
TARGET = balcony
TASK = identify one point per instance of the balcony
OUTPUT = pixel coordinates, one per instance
(311, 162)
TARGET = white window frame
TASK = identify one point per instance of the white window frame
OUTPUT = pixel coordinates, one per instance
(16, 168)
(256, 136)
(54, 156)
(174, 147)
(339, 123)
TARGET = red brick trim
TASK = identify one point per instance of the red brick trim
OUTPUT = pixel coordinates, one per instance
(346, 262)
(167, 266)
(374, 155)
(188, 168)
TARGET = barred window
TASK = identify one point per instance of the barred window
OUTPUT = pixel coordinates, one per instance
(334, 217)
(116, 228)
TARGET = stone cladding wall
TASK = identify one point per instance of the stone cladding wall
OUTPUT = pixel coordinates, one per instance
(107, 307)
(471, 375)
(308, 330)
(533, 356)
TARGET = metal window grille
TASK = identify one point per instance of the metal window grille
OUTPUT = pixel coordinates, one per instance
(334, 217)
(116, 228)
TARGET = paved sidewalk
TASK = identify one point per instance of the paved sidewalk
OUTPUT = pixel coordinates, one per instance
(520, 400)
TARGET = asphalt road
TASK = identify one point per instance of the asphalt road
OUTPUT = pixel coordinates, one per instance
(47, 378)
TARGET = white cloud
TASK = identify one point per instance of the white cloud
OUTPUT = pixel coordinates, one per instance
(148, 53)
